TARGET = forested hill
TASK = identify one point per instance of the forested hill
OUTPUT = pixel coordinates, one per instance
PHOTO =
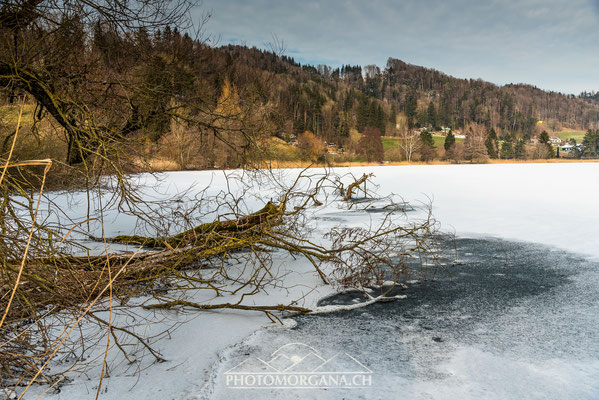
(591, 97)
(329, 101)
(165, 75)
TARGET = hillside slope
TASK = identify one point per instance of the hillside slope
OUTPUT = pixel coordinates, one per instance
(329, 101)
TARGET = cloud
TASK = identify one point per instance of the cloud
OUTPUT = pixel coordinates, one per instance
(548, 43)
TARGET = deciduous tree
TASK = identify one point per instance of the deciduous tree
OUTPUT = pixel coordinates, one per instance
(474, 145)
(409, 143)
(312, 147)
(371, 145)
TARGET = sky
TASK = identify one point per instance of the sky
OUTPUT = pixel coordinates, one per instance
(552, 44)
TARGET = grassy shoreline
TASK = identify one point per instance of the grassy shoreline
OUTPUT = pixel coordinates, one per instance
(300, 164)
(161, 166)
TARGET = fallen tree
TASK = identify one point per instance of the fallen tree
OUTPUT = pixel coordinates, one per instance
(349, 192)
(200, 258)
(210, 235)
(47, 292)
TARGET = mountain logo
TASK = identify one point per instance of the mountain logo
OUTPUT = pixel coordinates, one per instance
(299, 366)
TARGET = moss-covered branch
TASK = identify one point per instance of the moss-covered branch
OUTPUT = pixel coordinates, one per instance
(217, 231)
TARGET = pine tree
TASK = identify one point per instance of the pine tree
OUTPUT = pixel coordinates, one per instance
(449, 141)
(590, 143)
(348, 103)
(427, 145)
(491, 144)
(373, 115)
(507, 148)
(431, 115)
(544, 137)
(362, 115)
(410, 108)
(544, 140)
(381, 119)
(427, 138)
(519, 150)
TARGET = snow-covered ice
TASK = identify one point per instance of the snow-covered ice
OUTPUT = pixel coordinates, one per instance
(551, 204)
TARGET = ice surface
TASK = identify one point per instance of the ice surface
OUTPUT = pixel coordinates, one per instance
(529, 334)
(551, 204)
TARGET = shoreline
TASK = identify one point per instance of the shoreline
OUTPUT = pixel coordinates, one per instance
(302, 164)
(161, 166)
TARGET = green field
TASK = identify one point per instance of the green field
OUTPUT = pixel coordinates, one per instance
(566, 134)
(390, 142)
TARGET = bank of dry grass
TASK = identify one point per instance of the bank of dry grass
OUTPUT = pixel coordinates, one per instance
(304, 164)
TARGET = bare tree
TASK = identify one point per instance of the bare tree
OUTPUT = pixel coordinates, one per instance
(44, 53)
(409, 143)
(474, 145)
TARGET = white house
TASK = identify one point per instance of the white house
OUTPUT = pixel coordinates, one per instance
(567, 148)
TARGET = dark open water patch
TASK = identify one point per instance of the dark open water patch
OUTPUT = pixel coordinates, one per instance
(510, 300)
(492, 271)
(524, 286)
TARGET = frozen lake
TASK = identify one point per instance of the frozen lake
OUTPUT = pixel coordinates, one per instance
(517, 319)
(512, 321)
